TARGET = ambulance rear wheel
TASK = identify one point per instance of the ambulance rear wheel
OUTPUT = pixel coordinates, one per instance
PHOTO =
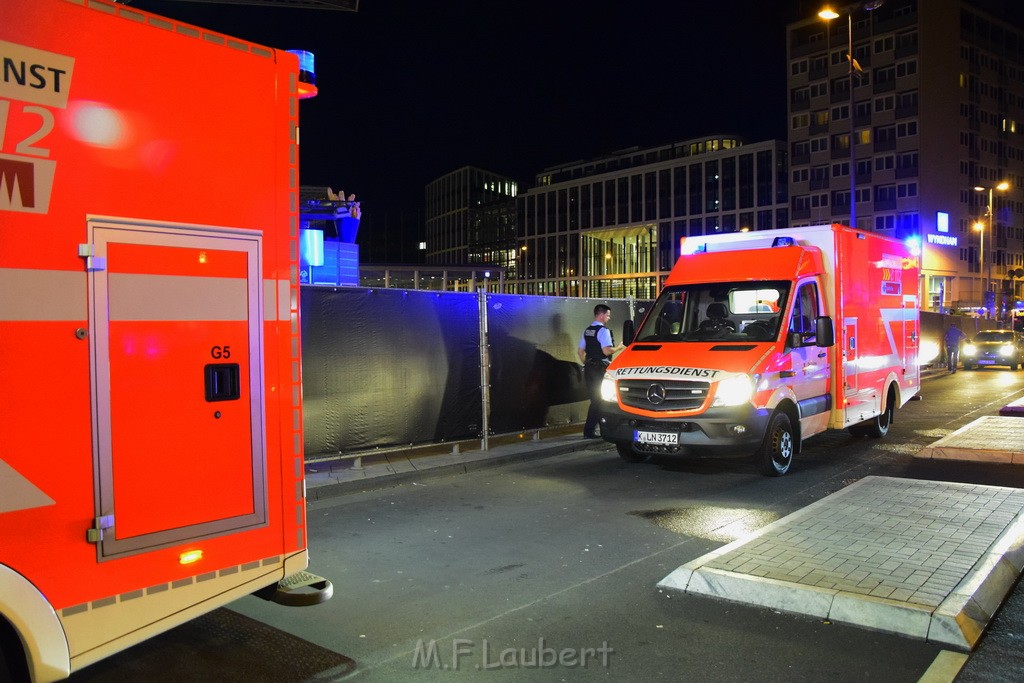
(775, 456)
(876, 427)
(627, 453)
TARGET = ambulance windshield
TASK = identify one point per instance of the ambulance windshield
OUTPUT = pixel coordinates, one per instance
(721, 311)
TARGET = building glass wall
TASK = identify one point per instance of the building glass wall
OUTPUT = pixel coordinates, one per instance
(611, 227)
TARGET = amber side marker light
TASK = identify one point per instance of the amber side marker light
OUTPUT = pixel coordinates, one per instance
(190, 556)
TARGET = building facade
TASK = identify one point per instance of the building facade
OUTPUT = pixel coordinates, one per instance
(933, 103)
(470, 218)
(610, 227)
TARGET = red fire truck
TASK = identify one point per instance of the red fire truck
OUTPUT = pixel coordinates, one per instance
(151, 453)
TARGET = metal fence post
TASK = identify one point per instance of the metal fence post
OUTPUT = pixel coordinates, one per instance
(485, 372)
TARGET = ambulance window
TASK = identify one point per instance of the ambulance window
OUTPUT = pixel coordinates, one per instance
(805, 312)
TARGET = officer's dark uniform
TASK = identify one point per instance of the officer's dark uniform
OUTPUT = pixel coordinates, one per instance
(594, 365)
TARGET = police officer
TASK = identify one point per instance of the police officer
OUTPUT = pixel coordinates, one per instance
(595, 351)
(954, 336)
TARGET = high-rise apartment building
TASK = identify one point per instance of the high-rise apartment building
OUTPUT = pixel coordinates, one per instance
(933, 105)
(610, 227)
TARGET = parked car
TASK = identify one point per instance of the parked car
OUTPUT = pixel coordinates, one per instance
(994, 347)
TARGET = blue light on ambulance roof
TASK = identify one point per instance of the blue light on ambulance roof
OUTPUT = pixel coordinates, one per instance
(784, 241)
(692, 247)
(914, 244)
(307, 73)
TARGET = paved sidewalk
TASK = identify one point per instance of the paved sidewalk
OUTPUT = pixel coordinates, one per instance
(1014, 409)
(991, 438)
(930, 560)
(375, 471)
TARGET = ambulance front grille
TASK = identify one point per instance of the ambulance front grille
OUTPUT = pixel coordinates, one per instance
(663, 394)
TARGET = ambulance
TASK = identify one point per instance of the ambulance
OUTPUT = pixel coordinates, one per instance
(760, 340)
(151, 452)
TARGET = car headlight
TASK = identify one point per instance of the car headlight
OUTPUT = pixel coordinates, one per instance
(608, 390)
(970, 349)
(734, 391)
(1006, 350)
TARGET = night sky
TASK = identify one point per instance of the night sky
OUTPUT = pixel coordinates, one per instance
(412, 90)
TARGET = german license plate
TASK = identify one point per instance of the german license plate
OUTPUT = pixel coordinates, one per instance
(984, 361)
(664, 438)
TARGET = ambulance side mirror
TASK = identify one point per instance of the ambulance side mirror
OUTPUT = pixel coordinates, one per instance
(824, 331)
(628, 332)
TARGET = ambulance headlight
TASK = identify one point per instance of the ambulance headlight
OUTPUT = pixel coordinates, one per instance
(1006, 350)
(734, 391)
(970, 349)
(608, 390)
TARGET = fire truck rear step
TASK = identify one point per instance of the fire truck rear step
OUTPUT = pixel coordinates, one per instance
(301, 589)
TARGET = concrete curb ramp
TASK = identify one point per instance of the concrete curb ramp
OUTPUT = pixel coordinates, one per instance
(929, 560)
(1015, 409)
(992, 438)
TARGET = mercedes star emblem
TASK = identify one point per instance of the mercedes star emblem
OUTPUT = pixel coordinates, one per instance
(656, 393)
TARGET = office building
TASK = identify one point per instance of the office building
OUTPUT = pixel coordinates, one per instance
(610, 227)
(470, 218)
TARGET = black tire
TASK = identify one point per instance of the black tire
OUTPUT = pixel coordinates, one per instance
(1014, 366)
(627, 453)
(879, 427)
(875, 428)
(968, 367)
(13, 666)
(775, 456)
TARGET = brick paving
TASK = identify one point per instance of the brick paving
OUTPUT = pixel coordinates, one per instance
(926, 559)
(902, 539)
(992, 438)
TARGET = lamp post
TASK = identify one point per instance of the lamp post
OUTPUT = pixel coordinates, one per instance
(980, 227)
(1002, 187)
(828, 14)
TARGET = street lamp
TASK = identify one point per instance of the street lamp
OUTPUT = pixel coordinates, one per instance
(1002, 187)
(828, 14)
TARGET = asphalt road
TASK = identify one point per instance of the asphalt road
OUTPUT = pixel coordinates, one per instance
(546, 570)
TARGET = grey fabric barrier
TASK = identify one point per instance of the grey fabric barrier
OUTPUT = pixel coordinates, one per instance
(387, 367)
(384, 367)
(535, 375)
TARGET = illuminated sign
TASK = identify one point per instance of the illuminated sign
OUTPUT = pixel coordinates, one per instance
(942, 240)
(942, 221)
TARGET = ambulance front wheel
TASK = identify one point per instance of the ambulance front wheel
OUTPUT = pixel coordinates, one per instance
(775, 456)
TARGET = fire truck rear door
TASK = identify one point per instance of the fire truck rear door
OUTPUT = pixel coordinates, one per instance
(176, 339)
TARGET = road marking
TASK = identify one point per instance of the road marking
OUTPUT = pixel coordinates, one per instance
(945, 667)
